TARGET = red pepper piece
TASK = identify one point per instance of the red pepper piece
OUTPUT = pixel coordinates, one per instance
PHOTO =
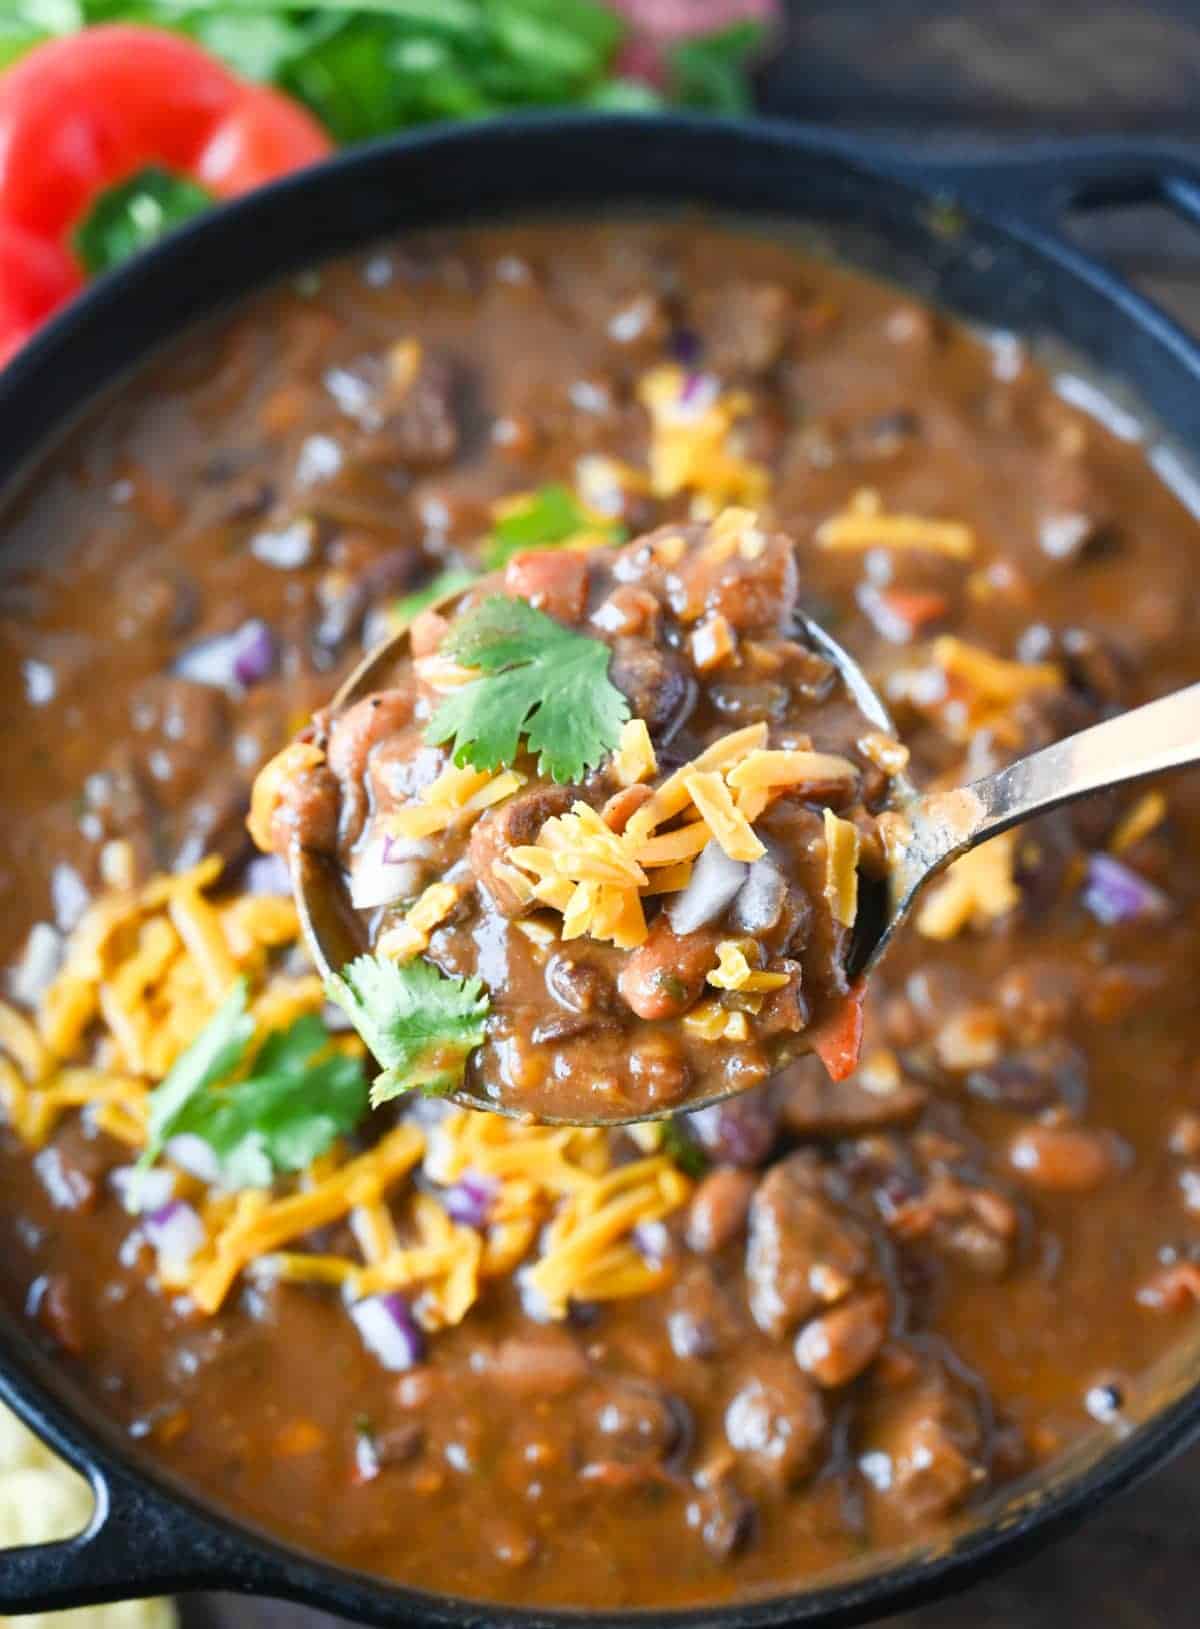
(838, 1040)
(35, 277)
(81, 114)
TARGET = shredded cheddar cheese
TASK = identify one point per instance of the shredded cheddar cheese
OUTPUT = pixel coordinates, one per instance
(411, 936)
(712, 797)
(268, 787)
(842, 843)
(634, 760)
(976, 890)
(734, 971)
(694, 440)
(147, 959)
(1147, 814)
(863, 524)
(456, 795)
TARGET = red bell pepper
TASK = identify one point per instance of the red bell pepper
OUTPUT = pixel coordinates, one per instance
(838, 1040)
(84, 113)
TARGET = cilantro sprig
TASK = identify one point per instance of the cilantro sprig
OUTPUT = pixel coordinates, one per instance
(406, 610)
(538, 680)
(421, 1024)
(261, 1112)
(546, 520)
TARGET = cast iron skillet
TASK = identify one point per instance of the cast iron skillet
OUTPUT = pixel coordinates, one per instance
(1001, 262)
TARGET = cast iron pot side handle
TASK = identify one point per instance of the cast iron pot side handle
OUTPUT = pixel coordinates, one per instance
(1038, 183)
(139, 1541)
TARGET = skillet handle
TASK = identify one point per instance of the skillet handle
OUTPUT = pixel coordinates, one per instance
(139, 1542)
(1038, 183)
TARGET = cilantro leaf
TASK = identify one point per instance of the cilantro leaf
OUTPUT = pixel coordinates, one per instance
(291, 1105)
(710, 70)
(217, 1051)
(135, 214)
(551, 515)
(405, 611)
(538, 680)
(420, 1023)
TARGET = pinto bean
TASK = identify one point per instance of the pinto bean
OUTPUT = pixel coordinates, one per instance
(718, 1210)
(835, 1348)
(542, 1363)
(551, 581)
(665, 976)
(1062, 1159)
(362, 726)
(308, 810)
(629, 1421)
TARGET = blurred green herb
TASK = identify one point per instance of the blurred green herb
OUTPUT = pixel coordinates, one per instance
(406, 610)
(366, 67)
(547, 518)
(134, 215)
(711, 71)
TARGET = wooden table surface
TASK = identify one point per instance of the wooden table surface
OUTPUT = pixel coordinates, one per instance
(958, 75)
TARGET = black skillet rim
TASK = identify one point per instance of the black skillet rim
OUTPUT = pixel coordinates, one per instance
(141, 1509)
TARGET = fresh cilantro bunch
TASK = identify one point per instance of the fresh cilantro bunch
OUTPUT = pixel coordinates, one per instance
(261, 1113)
(419, 1023)
(538, 680)
(367, 67)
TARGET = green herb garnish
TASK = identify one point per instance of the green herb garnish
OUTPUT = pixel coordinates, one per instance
(549, 517)
(538, 680)
(136, 214)
(688, 1156)
(293, 1099)
(420, 1023)
(406, 611)
(710, 70)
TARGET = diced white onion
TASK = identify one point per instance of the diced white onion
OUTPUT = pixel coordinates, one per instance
(715, 881)
(385, 871)
(143, 1190)
(193, 1155)
(40, 961)
(759, 903)
(176, 1232)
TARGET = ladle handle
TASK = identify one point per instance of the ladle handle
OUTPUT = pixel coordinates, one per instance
(1148, 740)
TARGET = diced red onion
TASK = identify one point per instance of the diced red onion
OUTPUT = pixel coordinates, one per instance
(233, 661)
(685, 346)
(739, 1132)
(714, 883)
(385, 871)
(40, 961)
(699, 392)
(470, 1199)
(759, 903)
(143, 1190)
(1113, 892)
(388, 1330)
(193, 1155)
(176, 1232)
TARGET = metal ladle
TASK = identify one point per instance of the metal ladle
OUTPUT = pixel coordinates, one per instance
(929, 829)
